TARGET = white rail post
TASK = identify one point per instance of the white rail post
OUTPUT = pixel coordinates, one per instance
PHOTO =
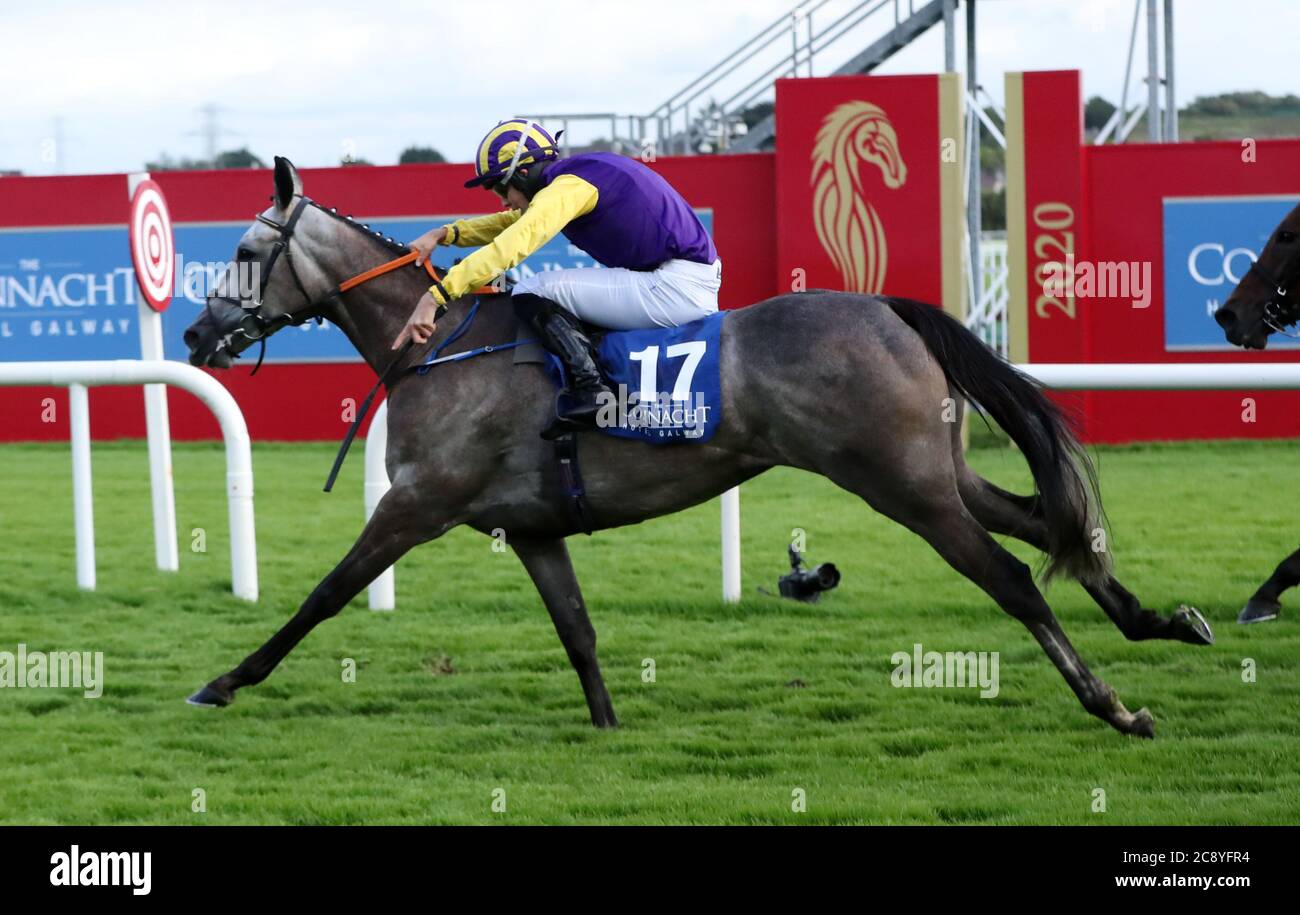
(157, 428)
(731, 545)
(243, 533)
(83, 503)
(383, 590)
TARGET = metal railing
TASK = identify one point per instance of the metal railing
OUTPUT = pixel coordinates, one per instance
(987, 317)
(707, 114)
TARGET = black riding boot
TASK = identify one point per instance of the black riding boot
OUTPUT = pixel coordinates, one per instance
(561, 333)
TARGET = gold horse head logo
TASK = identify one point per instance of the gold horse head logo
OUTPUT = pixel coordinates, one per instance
(847, 225)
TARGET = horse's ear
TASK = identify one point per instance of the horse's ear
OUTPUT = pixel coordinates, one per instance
(287, 182)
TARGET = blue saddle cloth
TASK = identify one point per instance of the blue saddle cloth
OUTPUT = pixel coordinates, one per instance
(667, 381)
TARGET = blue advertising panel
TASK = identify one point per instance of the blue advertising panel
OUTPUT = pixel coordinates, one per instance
(70, 293)
(67, 293)
(1210, 243)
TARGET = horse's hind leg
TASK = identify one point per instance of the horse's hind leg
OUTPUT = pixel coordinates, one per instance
(551, 570)
(1264, 604)
(1017, 516)
(399, 523)
(932, 508)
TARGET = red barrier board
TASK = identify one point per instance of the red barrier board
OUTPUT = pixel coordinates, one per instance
(1103, 207)
(1045, 217)
(1126, 187)
(1045, 220)
(862, 193)
(305, 402)
(868, 172)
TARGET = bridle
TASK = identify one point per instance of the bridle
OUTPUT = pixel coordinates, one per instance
(256, 326)
(1279, 314)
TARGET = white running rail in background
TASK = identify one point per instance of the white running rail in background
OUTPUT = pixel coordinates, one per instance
(1164, 376)
(1066, 377)
(77, 376)
(1094, 377)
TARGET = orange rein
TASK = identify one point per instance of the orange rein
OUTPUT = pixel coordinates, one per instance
(392, 265)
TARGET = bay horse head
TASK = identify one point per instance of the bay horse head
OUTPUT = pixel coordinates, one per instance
(1267, 299)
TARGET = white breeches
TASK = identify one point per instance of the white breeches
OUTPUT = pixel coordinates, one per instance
(619, 299)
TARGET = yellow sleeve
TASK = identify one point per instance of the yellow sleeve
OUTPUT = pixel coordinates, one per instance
(468, 233)
(551, 209)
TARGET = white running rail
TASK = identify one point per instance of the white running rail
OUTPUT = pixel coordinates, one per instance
(1165, 376)
(77, 376)
(1188, 376)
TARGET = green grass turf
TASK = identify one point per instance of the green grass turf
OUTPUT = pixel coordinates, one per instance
(466, 690)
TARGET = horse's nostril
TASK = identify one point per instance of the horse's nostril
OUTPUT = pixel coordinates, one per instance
(1225, 318)
(191, 338)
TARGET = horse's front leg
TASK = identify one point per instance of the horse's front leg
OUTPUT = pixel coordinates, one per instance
(1265, 604)
(400, 522)
(551, 570)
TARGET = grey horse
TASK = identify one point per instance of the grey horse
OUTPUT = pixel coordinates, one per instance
(865, 390)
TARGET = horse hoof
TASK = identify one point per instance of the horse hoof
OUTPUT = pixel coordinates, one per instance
(1259, 611)
(1144, 725)
(211, 698)
(1194, 626)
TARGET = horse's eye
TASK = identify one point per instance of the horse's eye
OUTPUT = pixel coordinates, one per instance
(244, 254)
(1284, 235)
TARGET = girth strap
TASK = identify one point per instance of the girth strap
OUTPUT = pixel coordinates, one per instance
(575, 491)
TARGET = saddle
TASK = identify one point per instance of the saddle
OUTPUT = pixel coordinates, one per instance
(667, 382)
(529, 352)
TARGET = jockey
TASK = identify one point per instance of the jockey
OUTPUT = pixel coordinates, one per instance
(658, 266)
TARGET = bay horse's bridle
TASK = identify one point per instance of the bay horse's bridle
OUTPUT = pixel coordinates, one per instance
(1279, 313)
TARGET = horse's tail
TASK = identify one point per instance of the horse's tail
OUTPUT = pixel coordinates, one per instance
(1066, 480)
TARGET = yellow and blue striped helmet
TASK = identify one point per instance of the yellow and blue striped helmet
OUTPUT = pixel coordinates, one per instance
(509, 145)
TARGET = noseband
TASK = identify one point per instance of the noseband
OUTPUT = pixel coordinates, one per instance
(1279, 314)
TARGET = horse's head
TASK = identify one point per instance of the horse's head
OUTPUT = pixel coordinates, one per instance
(1266, 299)
(273, 280)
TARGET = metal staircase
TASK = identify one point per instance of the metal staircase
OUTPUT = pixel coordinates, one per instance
(908, 25)
(709, 113)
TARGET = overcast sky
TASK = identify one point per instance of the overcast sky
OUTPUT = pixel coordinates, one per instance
(316, 80)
